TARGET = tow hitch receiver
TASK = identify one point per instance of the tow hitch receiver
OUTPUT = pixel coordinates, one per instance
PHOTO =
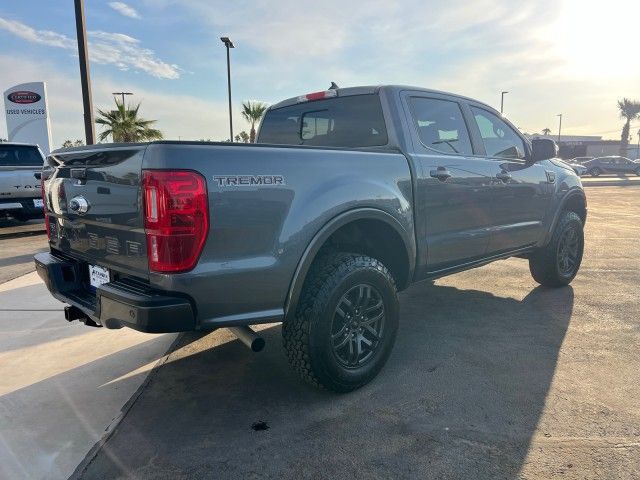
(72, 313)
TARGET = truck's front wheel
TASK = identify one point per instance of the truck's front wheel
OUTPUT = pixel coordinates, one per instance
(345, 324)
(557, 263)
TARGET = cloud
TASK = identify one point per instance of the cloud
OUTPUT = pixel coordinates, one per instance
(44, 37)
(125, 52)
(105, 48)
(124, 9)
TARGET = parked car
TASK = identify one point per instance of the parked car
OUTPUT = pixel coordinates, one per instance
(612, 164)
(20, 167)
(579, 160)
(350, 196)
(576, 167)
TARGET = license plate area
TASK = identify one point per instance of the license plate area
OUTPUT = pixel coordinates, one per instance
(98, 276)
(38, 203)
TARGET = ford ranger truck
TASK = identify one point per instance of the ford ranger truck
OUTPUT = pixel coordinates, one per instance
(20, 167)
(348, 196)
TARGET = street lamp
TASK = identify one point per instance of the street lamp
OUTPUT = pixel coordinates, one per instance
(502, 102)
(559, 126)
(122, 94)
(229, 44)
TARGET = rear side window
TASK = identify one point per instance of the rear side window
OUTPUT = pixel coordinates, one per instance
(353, 121)
(19, 156)
(440, 125)
(500, 140)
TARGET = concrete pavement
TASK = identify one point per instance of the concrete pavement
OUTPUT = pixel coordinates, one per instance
(61, 385)
(18, 243)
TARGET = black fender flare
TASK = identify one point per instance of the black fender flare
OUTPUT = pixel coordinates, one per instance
(573, 193)
(309, 255)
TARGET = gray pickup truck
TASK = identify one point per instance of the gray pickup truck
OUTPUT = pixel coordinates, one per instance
(349, 196)
(20, 167)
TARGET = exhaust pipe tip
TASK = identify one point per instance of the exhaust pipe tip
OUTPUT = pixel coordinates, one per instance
(72, 313)
(258, 344)
(250, 338)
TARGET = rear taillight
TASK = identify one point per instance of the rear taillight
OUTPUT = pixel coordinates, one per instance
(44, 208)
(176, 218)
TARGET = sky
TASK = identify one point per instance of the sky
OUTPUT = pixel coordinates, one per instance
(552, 56)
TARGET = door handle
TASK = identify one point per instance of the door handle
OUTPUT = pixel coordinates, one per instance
(441, 173)
(504, 176)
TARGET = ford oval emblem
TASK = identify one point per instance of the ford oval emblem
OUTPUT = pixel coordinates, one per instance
(24, 96)
(79, 205)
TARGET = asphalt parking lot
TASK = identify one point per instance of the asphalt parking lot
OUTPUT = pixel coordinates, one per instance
(492, 376)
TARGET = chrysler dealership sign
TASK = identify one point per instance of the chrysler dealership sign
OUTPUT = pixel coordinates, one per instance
(28, 114)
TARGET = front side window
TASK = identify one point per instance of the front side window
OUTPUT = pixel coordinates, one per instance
(440, 125)
(499, 139)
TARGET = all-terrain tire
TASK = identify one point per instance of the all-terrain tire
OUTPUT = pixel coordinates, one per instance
(547, 265)
(308, 337)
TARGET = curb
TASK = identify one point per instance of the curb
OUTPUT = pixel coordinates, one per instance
(22, 233)
(612, 183)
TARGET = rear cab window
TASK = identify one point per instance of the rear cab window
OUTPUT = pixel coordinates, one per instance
(351, 122)
(20, 156)
(441, 125)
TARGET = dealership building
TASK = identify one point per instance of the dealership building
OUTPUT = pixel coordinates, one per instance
(572, 146)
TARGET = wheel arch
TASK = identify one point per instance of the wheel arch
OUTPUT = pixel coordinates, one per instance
(574, 201)
(390, 229)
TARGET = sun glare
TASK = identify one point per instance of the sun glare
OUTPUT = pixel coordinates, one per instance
(599, 38)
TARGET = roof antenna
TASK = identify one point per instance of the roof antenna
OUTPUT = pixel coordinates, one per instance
(334, 86)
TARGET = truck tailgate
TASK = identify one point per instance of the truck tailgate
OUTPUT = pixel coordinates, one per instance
(93, 201)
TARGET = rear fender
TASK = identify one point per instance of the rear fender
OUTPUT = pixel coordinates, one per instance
(310, 253)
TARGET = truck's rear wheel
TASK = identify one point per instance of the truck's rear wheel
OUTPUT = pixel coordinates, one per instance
(345, 324)
(556, 264)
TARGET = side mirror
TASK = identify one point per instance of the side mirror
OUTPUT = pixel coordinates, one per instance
(543, 149)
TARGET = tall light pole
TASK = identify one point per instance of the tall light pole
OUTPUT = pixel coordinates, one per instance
(559, 126)
(122, 94)
(229, 44)
(85, 79)
(502, 101)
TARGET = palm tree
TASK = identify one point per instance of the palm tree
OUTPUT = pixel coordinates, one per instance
(242, 137)
(546, 131)
(252, 112)
(629, 110)
(124, 125)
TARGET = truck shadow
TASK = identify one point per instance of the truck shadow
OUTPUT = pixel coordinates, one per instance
(461, 396)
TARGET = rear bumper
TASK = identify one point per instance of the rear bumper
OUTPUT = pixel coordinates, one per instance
(22, 207)
(116, 304)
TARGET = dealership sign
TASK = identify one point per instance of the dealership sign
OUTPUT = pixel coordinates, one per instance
(28, 114)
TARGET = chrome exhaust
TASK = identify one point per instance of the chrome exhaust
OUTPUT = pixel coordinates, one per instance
(250, 338)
